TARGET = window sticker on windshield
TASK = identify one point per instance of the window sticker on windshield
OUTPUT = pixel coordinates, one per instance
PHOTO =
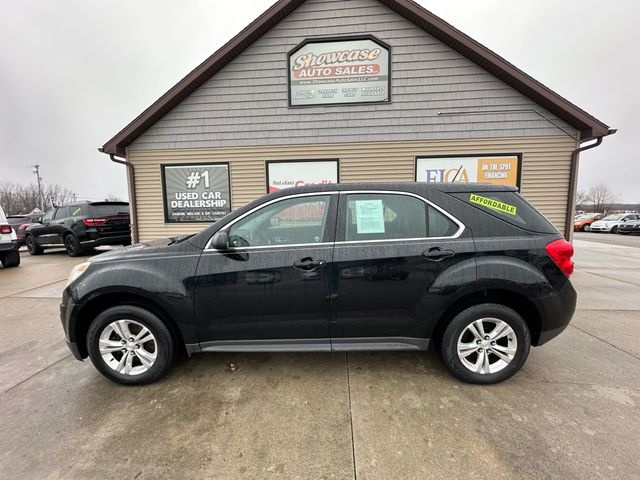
(76, 211)
(493, 204)
(369, 216)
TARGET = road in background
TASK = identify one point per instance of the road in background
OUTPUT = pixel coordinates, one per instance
(572, 412)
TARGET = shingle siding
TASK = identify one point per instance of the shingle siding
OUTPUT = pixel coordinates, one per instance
(245, 104)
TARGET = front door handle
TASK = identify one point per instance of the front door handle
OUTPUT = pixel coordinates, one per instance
(437, 254)
(309, 264)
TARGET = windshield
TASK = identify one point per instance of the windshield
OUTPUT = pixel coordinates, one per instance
(584, 216)
(612, 217)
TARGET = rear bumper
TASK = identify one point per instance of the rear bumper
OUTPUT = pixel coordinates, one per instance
(95, 240)
(556, 312)
(11, 246)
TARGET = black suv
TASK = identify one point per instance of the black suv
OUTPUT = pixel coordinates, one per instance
(473, 268)
(79, 227)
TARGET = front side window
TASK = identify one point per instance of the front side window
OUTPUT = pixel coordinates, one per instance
(47, 217)
(293, 221)
(378, 216)
(62, 212)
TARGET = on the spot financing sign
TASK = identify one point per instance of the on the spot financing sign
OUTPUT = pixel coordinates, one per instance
(499, 169)
(300, 173)
(341, 71)
(196, 193)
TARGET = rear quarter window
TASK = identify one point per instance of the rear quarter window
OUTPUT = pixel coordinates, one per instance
(510, 207)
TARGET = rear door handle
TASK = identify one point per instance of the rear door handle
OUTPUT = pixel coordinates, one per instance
(437, 254)
(307, 264)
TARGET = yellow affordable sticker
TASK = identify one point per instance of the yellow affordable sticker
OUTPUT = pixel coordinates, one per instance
(493, 204)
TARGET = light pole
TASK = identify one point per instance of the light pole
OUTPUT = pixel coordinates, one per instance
(36, 171)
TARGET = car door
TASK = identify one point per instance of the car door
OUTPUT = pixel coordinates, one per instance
(43, 231)
(57, 226)
(390, 249)
(270, 289)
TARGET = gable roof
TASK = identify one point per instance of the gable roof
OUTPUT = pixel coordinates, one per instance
(589, 126)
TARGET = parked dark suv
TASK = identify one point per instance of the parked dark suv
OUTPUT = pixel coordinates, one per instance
(473, 268)
(79, 227)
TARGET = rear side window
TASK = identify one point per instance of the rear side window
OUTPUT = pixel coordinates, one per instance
(510, 207)
(108, 210)
(379, 216)
(76, 210)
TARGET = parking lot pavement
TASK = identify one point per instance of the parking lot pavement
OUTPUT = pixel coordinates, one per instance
(572, 412)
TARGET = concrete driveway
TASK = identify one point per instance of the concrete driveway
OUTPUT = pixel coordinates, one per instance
(572, 412)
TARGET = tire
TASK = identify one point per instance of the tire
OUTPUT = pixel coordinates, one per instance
(514, 344)
(113, 365)
(11, 259)
(614, 229)
(586, 228)
(32, 246)
(72, 245)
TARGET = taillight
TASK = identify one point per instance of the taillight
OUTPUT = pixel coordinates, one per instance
(561, 252)
(94, 222)
(23, 226)
(5, 229)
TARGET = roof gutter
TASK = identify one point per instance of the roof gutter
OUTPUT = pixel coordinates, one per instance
(133, 204)
(573, 184)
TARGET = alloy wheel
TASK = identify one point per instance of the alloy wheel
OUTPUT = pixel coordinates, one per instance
(128, 347)
(487, 345)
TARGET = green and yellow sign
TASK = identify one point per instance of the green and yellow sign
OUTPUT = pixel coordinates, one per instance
(493, 204)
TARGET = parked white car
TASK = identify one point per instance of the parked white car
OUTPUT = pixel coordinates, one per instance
(9, 255)
(610, 223)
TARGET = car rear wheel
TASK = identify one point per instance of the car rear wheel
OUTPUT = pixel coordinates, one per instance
(11, 259)
(73, 245)
(485, 344)
(130, 345)
(32, 246)
(614, 229)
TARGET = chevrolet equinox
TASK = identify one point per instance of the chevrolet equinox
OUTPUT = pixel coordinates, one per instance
(472, 268)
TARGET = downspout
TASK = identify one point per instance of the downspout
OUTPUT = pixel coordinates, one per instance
(133, 205)
(573, 185)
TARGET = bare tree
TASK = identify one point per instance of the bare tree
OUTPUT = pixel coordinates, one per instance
(581, 197)
(16, 198)
(113, 198)
(600, 197)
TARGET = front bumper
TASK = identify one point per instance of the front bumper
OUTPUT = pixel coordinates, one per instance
(556, 312)
(67, 316)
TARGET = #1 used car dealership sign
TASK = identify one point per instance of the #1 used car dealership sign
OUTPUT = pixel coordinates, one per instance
(339, 71)
(196, 193)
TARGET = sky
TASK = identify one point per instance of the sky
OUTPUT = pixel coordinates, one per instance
(74, 72)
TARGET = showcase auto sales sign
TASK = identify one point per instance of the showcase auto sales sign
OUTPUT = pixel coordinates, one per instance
(343, 71)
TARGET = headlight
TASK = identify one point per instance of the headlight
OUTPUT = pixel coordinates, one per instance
(77, 271)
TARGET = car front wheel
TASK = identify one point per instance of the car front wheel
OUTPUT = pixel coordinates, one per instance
(586, 228)
(614, 229)
(486, 343)
(130, 345)
(32, 246)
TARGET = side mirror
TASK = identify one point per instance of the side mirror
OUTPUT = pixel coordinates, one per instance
(221, 240)
(39, 219)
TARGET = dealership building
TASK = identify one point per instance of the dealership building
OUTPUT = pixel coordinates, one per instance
(323, 91)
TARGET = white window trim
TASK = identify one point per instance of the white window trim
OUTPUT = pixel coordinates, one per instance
(461, 226)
